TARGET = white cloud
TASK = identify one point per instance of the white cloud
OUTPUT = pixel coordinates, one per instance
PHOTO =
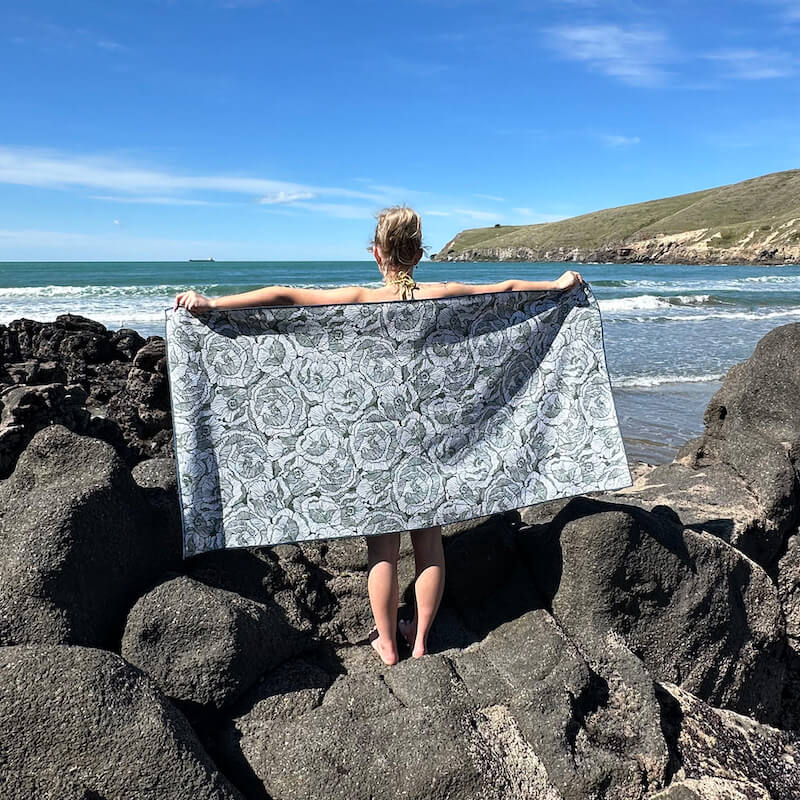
(491, 197)
(278, 198)
(109, 44)
(619, 141)
(50, 169)
(633, 55)
(752, 65)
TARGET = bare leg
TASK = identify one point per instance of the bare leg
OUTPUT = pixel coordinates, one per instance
(384, 592)
(428, 587)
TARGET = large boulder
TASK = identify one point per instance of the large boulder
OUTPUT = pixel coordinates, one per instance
(695, 610)
(204, 645)
(752, 424)
(76, 543)
(519, 714)
(78, 722)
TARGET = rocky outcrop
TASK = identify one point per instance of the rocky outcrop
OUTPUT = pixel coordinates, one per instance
(520, 713)
(691, 247)
(76, 543)
(78, 722)
(638, 644)
(697, 612)
(74, 372)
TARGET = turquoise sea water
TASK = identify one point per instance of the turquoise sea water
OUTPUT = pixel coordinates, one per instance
(670, 331)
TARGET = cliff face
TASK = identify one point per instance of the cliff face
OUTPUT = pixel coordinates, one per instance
(753, 222)
(690, 247)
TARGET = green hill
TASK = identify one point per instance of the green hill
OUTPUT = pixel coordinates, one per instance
(757, 220)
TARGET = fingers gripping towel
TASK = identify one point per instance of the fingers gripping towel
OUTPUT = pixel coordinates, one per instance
(297, 423)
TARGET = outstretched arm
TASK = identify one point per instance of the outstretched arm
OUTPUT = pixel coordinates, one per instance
(566, 281)
(269, 296)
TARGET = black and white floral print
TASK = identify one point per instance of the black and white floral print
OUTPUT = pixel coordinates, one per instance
(314, 422)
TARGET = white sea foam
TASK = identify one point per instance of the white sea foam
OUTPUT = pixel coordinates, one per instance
(755, 283)
(689, 299)
(643, 381)
(639, 303)
(649, 302)
(157, 290)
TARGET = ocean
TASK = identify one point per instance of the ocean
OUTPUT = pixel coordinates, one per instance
(671, 331)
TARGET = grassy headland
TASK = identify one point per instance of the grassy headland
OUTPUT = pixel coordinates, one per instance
(755, 221)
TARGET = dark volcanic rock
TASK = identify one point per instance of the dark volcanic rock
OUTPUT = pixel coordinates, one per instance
(519, 714)
(78, 722)
(205, 645)
(82, 353)
(126, 342)
(142, 408)
(76, 544)
(72, 341)
(695, 610)
(720, 754)
(157, 479)
(752, 424)
(28, 409)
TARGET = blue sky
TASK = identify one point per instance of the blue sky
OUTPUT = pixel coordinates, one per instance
(275, 130)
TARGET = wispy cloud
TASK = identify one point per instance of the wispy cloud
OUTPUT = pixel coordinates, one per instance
(613, 140)
(50, 35)
(634, 55)
(492, 197)
(27, 167)
(110, 44)
(753, 65)
(281, 198)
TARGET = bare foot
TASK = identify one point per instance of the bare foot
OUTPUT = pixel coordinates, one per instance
(409, 631)
(386, 650)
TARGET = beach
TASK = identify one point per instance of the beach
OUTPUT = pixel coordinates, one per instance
(670, 331)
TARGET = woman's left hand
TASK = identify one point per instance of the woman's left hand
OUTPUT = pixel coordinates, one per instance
(569, 279)
(193, 301)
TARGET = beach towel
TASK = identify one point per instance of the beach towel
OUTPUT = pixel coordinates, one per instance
(302, 423)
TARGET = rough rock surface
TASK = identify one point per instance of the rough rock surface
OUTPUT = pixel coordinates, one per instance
(520, 713)
(79, 374)
(205, 645)
(721, 755)
(78, 722)
(76, 543)
(694, 609)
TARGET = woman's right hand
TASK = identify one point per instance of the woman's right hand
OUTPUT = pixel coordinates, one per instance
(569, 279)
(193, 301)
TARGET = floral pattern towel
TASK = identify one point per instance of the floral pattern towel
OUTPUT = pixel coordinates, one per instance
(297, 423)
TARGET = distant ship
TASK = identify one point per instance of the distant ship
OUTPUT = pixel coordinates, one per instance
(201, 259)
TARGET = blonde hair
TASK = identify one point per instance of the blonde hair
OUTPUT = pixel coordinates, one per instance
(398, 234)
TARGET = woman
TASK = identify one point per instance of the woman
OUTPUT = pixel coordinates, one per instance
(397, 248)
